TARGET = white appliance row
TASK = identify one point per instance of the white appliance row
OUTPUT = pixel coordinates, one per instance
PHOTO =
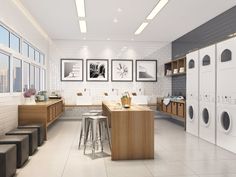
(211, 94)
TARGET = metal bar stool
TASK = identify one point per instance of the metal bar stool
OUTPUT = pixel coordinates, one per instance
(96, 111)
(96, 124)
(82, 127)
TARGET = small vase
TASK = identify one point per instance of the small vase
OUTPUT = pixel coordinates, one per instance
(27, 100)
(32, 99)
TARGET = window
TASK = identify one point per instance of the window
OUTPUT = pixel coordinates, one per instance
(17, 75)
(32, 77)
(37, 56)
(43, 79)
(25, 49)
(37, 78)
(26, 75)
(191, 64)
(14, 42)
(42, 59)
(4, 73)
(4, 36)
(226, 55)
(31, 53)
(206, 60)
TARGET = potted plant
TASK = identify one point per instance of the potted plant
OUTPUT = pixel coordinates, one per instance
(29, 96)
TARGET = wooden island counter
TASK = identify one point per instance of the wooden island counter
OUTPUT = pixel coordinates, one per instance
(44, 113)
(132, 131)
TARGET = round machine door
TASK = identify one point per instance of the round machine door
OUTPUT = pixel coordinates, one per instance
(205, 117)
(190, 112)
(225, 121)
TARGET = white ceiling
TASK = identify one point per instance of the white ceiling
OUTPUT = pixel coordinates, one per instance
(59, 18)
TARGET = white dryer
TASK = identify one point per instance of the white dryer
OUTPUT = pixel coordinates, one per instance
(207, 91)
(226, 94)
(192, 83)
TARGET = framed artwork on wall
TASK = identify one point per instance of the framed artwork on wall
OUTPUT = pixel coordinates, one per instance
(72, 69)
(97, 70)
(121, 70)
(146, 70)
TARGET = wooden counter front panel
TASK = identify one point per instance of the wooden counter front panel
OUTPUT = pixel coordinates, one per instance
(132, 135)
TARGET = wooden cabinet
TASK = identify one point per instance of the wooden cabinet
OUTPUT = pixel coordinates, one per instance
(43, 112)
(132, 131)
(175, 108)
(175, 67)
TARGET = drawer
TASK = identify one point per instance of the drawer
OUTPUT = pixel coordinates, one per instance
(181, 110)
(174, 108)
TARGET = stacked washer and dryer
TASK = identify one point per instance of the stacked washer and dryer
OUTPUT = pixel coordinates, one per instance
(211, 94)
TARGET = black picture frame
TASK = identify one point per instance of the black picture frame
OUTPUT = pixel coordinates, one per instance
(143, 76)
(62, 69)
(96, 79)
(113, 70)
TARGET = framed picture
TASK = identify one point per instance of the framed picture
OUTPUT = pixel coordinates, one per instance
(97, 70)
(121, 70)
(146, 70)
(72, 69)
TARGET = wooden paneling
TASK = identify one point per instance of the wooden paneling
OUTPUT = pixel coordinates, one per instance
(42, 112)
(132, 131)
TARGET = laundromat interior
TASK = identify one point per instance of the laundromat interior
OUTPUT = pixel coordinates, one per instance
(117, 88)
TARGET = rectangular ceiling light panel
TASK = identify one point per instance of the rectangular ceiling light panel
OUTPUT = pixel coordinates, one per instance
(80, 8)
(161, 4)
(141, 28)
(83, 26)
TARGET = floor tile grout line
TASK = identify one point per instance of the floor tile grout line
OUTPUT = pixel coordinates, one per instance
(148, 168)
(66, 162)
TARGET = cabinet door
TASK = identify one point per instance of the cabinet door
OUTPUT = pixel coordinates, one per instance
(174, 108)
(181, 110)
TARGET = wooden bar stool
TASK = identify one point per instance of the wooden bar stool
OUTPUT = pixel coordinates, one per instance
(96, 124)
(82, 127)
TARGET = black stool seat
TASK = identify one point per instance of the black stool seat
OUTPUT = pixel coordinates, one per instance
(33, 137)
(40, 129)
(22, 147)
(7, 160)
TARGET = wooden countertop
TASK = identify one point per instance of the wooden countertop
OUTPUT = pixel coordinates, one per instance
(44, 103)
(117, 107)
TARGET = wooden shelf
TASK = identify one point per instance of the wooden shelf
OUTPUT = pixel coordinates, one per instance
(173, 67)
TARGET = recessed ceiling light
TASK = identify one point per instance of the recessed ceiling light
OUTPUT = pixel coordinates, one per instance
(108, 39)
(115, 20)
(141, 28)
(84, 38)
(80, 8)
(119, 10)
(83, 27)
(161, 4)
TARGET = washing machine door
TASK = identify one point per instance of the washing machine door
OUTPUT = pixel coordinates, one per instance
(225, 121)
(190, 113)
(205, 117)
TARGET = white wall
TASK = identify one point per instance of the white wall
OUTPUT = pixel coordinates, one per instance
(108, 50)
(11, 16)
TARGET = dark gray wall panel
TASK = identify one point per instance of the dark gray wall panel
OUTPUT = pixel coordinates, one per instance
(215, 30)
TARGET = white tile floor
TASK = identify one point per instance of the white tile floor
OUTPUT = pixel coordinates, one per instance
(177, 154)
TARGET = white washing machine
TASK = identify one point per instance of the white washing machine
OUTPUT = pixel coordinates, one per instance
(226, 94)
(207, 91)
(192, 82)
